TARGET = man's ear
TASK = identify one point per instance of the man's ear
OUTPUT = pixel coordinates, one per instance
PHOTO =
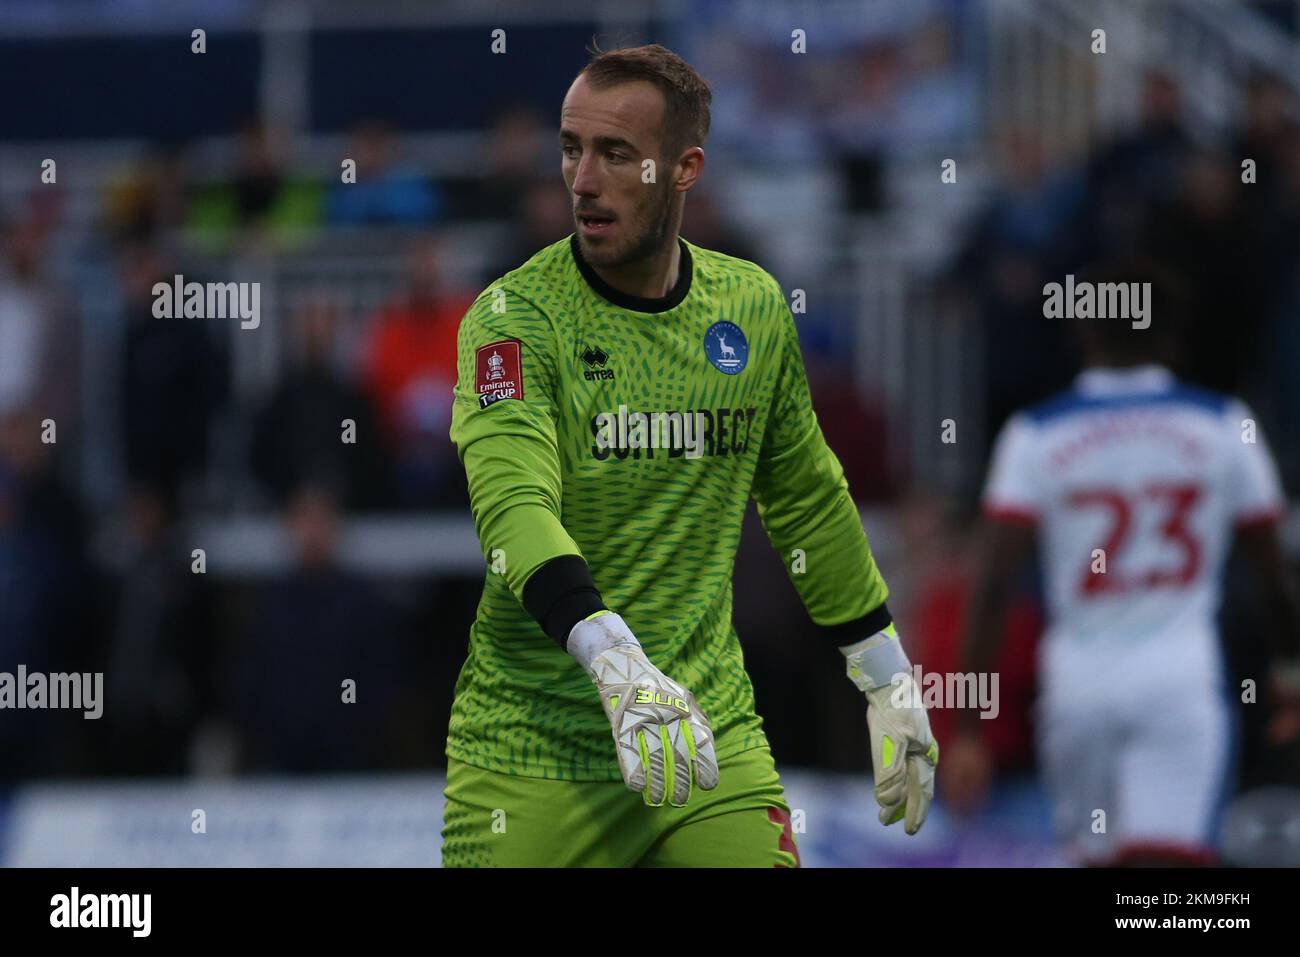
(690, 167)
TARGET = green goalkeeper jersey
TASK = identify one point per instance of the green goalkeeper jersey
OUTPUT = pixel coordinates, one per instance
(632, 432)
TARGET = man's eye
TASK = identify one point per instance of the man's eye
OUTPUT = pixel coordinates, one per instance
(569, 151)
(616, 157)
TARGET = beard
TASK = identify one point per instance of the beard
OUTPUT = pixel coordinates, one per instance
(646, 234)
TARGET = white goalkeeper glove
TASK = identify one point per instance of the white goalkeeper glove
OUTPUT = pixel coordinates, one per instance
(664, 741)
(904, 753)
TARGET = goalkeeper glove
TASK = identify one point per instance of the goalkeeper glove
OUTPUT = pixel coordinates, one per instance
(903, 752)
(662, 735)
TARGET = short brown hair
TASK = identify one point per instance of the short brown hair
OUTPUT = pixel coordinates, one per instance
(686, 95)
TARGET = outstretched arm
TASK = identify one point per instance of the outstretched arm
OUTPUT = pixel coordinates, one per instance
(812, 521)
(1012, 505)
(503, 424)
(1003, 547)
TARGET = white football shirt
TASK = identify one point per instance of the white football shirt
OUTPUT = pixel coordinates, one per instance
(1135, 482)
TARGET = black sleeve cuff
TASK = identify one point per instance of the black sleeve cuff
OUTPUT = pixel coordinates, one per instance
(560, 594)
(851, 632)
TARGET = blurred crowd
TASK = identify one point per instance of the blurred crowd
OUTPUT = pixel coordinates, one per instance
(245, 676)
(199, 670)
(1222, 215)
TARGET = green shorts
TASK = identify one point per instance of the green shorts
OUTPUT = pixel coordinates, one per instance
(505, 820)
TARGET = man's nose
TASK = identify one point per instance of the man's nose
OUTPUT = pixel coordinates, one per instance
(586, 180)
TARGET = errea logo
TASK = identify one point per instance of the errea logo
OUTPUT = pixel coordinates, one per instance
(595, 360)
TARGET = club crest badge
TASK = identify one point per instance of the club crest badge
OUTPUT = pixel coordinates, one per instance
(726, 347)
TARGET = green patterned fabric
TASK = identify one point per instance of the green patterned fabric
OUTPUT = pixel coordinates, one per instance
(492, 819)
(658, 527)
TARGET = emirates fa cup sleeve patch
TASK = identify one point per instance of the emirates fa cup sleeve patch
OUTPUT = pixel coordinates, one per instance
(499, 372)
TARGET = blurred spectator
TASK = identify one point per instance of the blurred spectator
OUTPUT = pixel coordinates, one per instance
(1204, 235)
(1018, 243)
(939, 97)
(1139, 168)
(173, 377)
(158, 641)
(521, 148)
(545, 217)
(265, 200)
(1265, 134)
(897, 93)
(151, 196)
(864, 120)
(298, 434)
(258, 175)
(34, 371)
(1272, 207)
(315, 684)
(825, 728)
(22, 337)
(1282, 335)
(385, 193)
(410, 372)
(857, 428)
(46, 592)
(705, 224)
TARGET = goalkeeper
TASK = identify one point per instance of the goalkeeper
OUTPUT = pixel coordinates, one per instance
(620, 396)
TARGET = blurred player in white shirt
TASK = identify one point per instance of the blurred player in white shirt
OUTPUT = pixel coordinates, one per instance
(1133, 486)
